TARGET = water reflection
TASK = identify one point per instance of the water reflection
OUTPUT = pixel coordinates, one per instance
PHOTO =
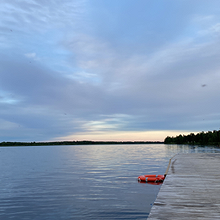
(174, 149)
(82, 182)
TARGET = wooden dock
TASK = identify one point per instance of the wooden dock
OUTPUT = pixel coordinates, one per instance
(191, 189)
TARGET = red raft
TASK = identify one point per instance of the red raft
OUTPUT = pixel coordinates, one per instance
(151, 178)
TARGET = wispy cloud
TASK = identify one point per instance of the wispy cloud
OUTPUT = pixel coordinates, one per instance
(68, 69)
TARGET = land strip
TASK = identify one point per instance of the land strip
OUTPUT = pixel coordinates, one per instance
(76, 143)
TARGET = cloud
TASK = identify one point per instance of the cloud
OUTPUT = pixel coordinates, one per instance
(39, 15)
(62, 74)
(167, 82)
(216, 28)
(30, 55)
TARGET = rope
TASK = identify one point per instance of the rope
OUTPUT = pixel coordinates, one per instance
(168, 167)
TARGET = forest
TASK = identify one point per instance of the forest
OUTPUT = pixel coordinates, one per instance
(201, 138)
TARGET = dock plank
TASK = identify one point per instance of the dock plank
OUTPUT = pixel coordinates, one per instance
(191, 189)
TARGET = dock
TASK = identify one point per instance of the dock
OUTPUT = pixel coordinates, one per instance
(191, 189)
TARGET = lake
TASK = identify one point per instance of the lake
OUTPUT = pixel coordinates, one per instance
(82, 181)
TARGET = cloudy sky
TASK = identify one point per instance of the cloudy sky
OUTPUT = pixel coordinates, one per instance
(108, 69)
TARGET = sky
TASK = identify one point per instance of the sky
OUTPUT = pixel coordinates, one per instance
(108, 69)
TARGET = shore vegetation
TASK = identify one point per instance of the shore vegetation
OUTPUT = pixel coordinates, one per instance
(201, 138)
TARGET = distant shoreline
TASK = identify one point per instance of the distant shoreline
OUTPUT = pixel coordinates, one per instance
(76, 143)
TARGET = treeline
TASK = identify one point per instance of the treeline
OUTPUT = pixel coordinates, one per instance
(75, 143)
(201, 138)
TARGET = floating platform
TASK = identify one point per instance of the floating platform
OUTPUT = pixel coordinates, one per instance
(191, 189)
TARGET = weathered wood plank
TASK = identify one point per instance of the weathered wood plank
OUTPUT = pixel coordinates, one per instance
(191, 189)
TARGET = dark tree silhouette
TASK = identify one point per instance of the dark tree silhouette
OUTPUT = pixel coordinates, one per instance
(201, 138)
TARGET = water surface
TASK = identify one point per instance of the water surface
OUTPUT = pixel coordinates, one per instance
(82, 182)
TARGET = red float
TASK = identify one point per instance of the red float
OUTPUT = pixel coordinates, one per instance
(151, 178)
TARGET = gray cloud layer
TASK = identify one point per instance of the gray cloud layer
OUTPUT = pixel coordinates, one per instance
(69, 67)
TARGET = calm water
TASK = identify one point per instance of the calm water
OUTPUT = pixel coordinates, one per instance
(82, 182)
